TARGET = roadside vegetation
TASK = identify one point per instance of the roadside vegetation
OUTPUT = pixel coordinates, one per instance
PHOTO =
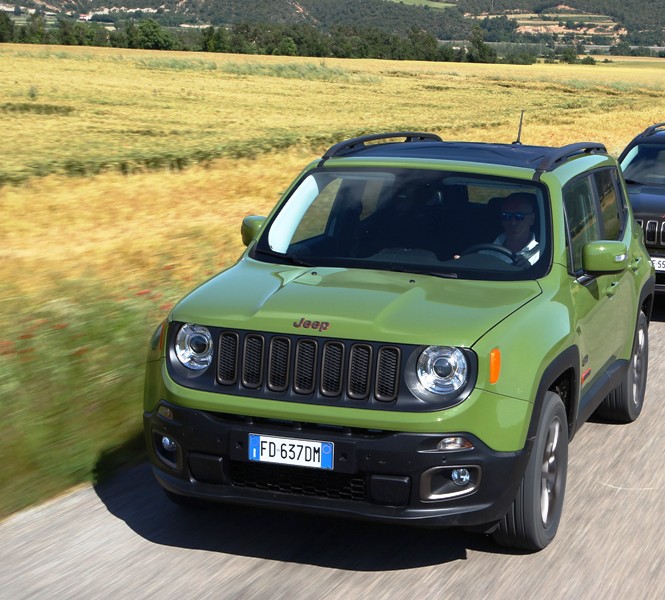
(126, 175)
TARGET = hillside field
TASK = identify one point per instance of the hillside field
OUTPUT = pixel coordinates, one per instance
(125, 175)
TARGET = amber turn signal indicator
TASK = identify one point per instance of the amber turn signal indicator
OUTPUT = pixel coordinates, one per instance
(495, 365)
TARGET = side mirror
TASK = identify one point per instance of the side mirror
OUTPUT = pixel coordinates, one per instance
(605, 256)
(250, 228)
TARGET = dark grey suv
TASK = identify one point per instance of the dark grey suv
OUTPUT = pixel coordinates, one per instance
(643, 165)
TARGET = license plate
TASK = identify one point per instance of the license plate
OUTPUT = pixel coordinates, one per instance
(659, 264)
(288, 451)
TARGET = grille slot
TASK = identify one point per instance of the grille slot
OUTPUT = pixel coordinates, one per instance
(331, 369)
(651, 231)
(227, 365)
(386, 374)
(359, 371)
(305, 366)
(252, 367)
(278, 367)
(297, 481)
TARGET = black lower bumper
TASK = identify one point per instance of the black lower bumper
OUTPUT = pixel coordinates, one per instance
(377, 475)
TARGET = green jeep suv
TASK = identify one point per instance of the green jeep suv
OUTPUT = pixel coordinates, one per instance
(414, 335)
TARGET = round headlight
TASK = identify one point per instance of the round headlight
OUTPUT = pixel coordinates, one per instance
(193, 347)
(442, 370)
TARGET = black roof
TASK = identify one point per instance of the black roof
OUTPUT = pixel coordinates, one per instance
(655, 134)
(656, 131)
(430, 146)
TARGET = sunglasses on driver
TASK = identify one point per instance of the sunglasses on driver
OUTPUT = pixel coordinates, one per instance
(517, 216)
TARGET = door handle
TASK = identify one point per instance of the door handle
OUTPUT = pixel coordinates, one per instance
(612, 289)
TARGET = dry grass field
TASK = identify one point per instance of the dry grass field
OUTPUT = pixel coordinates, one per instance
(124, 177)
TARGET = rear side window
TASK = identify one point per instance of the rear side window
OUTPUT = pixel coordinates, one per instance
(610, 207)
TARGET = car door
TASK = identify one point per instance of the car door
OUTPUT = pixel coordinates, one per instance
(601, 302)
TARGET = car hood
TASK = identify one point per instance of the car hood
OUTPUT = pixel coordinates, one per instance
(353, 303)
(647, 200)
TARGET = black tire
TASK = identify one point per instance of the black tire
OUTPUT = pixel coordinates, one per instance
(624, 404)
(533, 519)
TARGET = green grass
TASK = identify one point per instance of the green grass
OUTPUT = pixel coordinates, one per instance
(175, 64)
(71, 375)
(305, 71)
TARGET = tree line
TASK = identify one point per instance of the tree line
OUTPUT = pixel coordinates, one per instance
(300, 39)
(281, 39)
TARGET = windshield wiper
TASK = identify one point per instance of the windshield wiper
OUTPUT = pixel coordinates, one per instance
(633, 182)
(289, 258)
(407, 269)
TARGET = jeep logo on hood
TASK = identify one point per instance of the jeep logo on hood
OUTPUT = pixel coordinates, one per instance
(320, 325)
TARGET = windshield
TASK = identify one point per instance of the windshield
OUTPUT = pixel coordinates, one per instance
(446, 224)
(645, 163)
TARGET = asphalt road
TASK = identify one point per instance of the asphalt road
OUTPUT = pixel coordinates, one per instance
(123, 539)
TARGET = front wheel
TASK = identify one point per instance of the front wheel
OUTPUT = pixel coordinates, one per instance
(624, 404)
(533, 519)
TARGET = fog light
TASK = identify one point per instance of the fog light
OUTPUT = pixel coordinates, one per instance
(454, 443)
(168, 444)
(461, 477)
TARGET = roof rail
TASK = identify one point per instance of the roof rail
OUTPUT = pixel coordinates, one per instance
(360, 142)
(557, 155)
(653, 129)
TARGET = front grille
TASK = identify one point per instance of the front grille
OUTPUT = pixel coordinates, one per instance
(305, 366)
(297, 481)
(654, 231)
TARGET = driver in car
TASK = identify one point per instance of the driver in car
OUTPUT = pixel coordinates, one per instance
(517, 219)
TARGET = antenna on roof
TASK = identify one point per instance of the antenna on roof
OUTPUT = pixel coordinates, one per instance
(519, 131)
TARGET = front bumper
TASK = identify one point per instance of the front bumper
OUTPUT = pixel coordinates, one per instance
(376, 475)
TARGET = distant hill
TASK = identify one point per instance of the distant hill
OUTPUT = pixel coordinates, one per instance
(635, 15)
(642, 21)
(324, 14)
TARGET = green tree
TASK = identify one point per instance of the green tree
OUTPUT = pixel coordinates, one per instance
(620, 49)
(216, 40)
(286, 47)
(34, 31)
(568, 55)
(101, 36)
(422, 45)
(65, 32)
(6, 28)
(152, 36)
(480, 52)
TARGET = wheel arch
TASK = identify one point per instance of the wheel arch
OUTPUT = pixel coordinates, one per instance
(647, 297)
(561, 376)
